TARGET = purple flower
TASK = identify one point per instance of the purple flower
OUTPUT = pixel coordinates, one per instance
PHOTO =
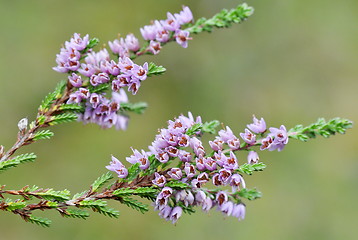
(221, 198)
(210, 164)
(226, 135)
(154, 47)
(140, 158)
(266, 143)
(280, 138)
(239, 211)
(79, 43)
(117, 167)
(234, 144)
(132, 42)
(216, 145)
(258, 126)
(171, 23)
(231, 162)
(236, 181)
(248, 137)
(149, 32)
(252, 157)
(175, 214)
(227, 208)
(189, 170)
(203, 177)
(175, 173)
(172, 151)
(224, 175)
(159, 180)
(165, 212)
(207, 204)
(182, 38)
(184, 16)
(216, 180)
(184, 156)
(200, 164)
(75, 80)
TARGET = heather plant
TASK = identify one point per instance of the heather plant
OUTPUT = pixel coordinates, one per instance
(178, 173)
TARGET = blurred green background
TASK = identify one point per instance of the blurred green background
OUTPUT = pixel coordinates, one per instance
(291, 62)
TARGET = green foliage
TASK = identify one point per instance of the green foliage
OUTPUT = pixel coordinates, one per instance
(76, 213)
(133, 172)
(50, 194)
(154, 164)
(63, 118)
(71, 107)
(92, 43)
(141, 207)
(250, 194)
(138, 107)
(176, 184)
(141, 191)
(51, 97)
(321, 127)
(43, 222)
(100, 88)
(23, 158)
(225, 18)
(210, 127)
(101, 181)
(155, 70)
(250, 168)
(43, 134)
(100, 206)
(13, 205)
(78, 195)
(194, 129)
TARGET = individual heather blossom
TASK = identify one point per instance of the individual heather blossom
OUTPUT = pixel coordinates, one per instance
(252, 157)
(154, 47)
(132, 42)
(185, 156)
(165, 212)
(210, 164)
(280, 138)
(227, 208)
(141, 158)
(234, 144)
(221, 198)
(117, 167)
(149, 32)
(217, 144)
(231, 162)
(176, 214)
(171, 23)
(226, 135)
(224, 175)
(248, 137)
(75, 80)
(236, 181)
(159, 180)
(239, 211)
(182, 38)
(175, 173)
(189, 170)
(79, 43)
(266, 143)
(185, 16)
(258, 126)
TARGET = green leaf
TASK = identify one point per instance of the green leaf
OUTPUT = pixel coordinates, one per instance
(76, 213)
(71, 107)
(50, 194)
(99, 88)
(141, 207)
(78, 195)
(250, 168)
(101, 181)
(194, 129)
(43, 134)
(51, 97)
(93, 203)
(210, 127)
(155, 70)
(141, 191)
(138, 107)
(250, 194)
(63, 118)
(100, 206)
(133, 172)
(176, 184)
(92, 43)
(321, 127)
(13, 205)
(23, 158)
(43, 222)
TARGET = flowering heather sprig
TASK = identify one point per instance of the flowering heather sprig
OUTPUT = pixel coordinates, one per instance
(187, 185)
(174, 188)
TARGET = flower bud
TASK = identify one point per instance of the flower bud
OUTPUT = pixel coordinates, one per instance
(22, 124)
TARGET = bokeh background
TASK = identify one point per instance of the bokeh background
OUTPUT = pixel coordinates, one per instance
(291, 62)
